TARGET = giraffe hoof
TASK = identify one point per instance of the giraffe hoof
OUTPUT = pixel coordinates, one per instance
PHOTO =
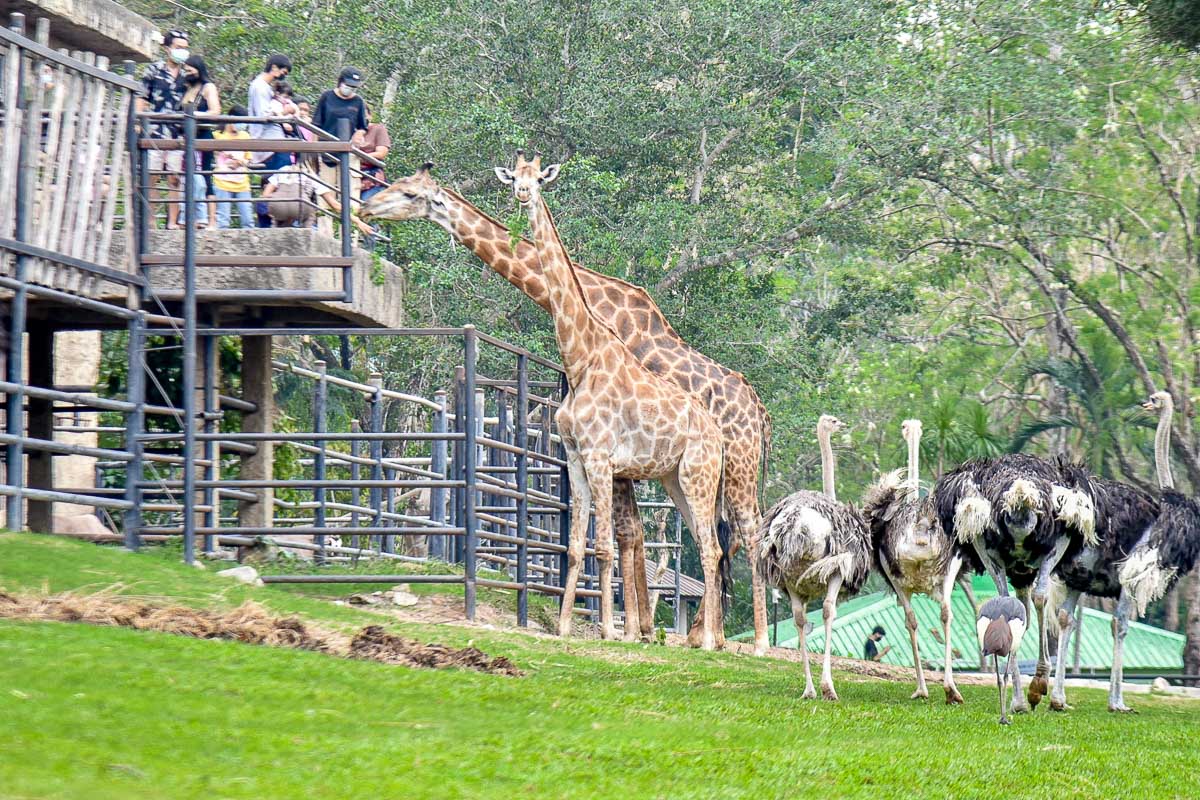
(953, 698)
(920, 694)
(1058, 705)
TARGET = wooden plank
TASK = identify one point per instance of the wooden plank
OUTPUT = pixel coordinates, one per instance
(120, 185)
(50, 163)
(98, 91)
(102, 156)
(176, 260)
(55, 222)
(11, 138)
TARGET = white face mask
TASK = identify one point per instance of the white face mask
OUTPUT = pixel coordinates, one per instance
(346, 91)
(179, 54)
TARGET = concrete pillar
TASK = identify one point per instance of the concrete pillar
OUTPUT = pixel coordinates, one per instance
(258, 388)
(40, 419)
(77, 366)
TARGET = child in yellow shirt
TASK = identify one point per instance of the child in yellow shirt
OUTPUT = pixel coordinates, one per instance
(231, 180)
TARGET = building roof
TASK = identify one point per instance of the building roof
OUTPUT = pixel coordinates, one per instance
(690, 588)
(1146, 647)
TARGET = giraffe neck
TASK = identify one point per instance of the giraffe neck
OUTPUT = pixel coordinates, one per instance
(913, 481)
(827, 465)
(1162, 447)
(579, 334)
(490, 240)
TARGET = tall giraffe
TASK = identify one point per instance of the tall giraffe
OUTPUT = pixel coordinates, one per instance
(619, 420)
(629, 310)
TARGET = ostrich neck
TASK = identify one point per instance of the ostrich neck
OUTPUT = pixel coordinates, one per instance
(914, 468)
(827, 466)
(1162, 448)
(490, 240)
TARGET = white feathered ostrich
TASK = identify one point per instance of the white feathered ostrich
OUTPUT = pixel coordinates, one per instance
(913, 552)
(1020, 518)
(814, 547)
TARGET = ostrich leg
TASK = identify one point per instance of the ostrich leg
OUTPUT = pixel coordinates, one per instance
(953, 697)
(1066, 627)
(910, 622)
(1120, 627)
(1039, 686)
(993, 569)
(1019, 704)
(800, 615)
(830, 611)
(581, 501)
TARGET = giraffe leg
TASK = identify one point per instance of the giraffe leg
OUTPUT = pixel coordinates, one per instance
(953, 697)
(1066, 627)
(800, 615)
(581, 501)
(830, 611)
(694, 489)
(628, 525)
(695, 636)
(746, 520)
(600, 480)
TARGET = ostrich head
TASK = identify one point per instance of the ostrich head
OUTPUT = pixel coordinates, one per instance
(829, 425)
(1020, 507)
(416, 197)
(1159, 401)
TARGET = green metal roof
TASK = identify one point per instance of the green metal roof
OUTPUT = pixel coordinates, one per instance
(1146, 647)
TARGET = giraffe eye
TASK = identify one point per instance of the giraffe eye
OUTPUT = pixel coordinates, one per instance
(410, 195)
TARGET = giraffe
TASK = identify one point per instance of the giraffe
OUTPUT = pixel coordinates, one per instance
(631, 312)
(619, 420)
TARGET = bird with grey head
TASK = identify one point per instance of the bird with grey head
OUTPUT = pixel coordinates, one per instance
(1001, 624)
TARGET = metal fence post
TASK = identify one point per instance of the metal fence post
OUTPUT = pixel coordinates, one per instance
(189, 338)
(458, 496)
(437, 464)
(376, 380)
(680, 611)
(520, 417)
(470, 353)
(320, 403)
(343, 133)
(355, 474)
(564, 497)
(135, 423)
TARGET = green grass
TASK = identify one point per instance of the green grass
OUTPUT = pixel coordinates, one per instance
(110, 713)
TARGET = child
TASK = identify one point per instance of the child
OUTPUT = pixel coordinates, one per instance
(232, 181)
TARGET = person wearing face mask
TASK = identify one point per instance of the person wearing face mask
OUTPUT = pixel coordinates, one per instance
(164, 87)
(259, 97)
(201, 94)
(333, 106)
(232, 181)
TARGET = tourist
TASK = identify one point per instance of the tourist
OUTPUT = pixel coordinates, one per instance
(871, 651)
(163, 81)
(335, 105)
(260, 95)
(303, 112)
(291, 193)
(201, 94)
(232, 181)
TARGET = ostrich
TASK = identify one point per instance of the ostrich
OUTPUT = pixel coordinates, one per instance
(1001, 626)
(1020, 518)
(815, 547)
(1124, 516)
(913, 552)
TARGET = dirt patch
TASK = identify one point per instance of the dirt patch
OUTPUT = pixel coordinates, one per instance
(249, 623)
(375, 644)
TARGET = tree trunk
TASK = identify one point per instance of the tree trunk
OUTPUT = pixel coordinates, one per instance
(1171, 602)
(1191, 648)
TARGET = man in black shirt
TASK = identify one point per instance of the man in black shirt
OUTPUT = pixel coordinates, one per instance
(870, 651)
(333, 106)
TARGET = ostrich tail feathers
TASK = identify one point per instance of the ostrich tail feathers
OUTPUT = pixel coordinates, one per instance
(1144, 579)
(972, 516)
(1022, 495)
(823, 569)
(1057, 595)
(1075, 510)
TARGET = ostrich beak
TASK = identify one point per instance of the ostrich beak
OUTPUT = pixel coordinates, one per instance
(1148, 405)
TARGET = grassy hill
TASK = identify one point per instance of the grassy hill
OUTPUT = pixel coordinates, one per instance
(115, 713)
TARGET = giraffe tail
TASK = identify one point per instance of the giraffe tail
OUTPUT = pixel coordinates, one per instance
(725, 565)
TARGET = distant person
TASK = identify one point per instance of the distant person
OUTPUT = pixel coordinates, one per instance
(259, 97)
(333, 106)
(871, 651)
(201, 93)
(291, 193)
(163, 82)
(232, 181)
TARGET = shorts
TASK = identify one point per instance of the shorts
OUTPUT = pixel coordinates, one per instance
(168, 160)
(331, 177)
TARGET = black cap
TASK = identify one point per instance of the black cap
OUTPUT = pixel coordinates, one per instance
(879, 630)
(351, 77)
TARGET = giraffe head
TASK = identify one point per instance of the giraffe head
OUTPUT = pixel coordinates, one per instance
(527, 179)
(418, 196)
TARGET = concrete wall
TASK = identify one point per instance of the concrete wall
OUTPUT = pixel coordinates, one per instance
(98, 26)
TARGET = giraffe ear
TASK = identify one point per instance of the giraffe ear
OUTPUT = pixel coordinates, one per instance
(505, 175)
(549, 174)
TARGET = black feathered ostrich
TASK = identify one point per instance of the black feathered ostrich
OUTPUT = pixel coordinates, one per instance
(1020, 518)
(913, 552)
(1001, 626)
(814, 547)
